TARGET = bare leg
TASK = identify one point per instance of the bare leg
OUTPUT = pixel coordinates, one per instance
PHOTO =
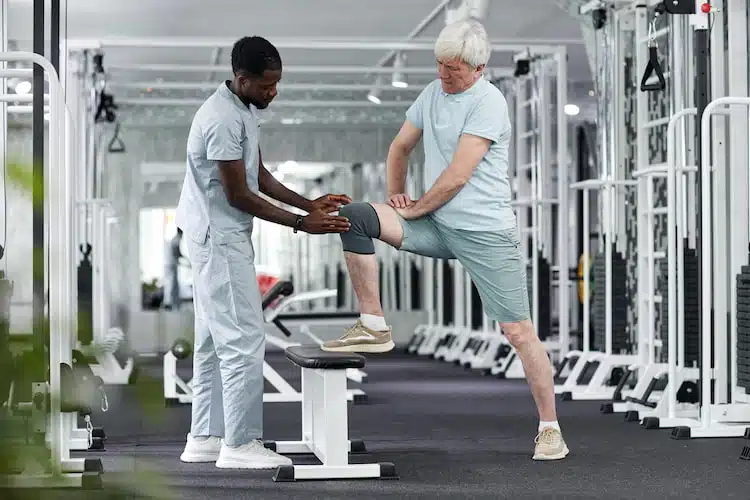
(536, 366)
(363, 269)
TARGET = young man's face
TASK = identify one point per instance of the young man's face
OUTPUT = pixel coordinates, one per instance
(260, 91)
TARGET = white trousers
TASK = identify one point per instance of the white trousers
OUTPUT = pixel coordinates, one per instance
(229, 340)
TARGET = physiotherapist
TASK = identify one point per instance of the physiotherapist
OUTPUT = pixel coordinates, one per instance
(220, 197)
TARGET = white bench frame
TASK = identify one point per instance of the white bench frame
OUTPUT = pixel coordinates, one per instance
(325, 433)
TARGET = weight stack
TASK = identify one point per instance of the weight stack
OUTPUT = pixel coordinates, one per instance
(620, 301)
(416, 287)
(743, 329)
(544, 328)
(690, 310)
(448, 294)
(85, 301)
(6, 357)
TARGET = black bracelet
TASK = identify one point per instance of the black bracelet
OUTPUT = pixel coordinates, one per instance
(298, 223)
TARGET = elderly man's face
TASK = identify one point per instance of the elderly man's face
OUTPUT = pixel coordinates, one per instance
(457, 76)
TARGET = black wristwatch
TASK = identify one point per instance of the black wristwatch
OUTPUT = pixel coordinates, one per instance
(298, 223)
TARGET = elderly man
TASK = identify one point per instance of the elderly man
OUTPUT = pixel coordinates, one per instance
(465, 214)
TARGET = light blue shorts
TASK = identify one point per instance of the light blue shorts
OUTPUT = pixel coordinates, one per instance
(492, 258)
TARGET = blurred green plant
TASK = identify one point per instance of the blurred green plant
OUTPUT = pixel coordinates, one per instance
(24, 452)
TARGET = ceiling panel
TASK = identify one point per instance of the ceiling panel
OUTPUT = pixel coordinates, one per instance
(525, 22)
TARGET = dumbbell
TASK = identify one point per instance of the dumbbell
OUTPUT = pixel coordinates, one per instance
(181, 349)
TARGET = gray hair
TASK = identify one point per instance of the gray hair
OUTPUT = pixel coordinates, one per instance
(464, 40)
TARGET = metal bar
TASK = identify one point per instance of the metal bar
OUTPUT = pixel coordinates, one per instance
(586, 287)
(363, 70)
(645, 328)
(703, 241)
(4, 123)
(599, 183)
(653, 170)
(706, 247)
(58, 351)
(28, 98)
(534, 154)
(563, 210)
(17, 73)
(720, 231)
(738, 155)
(146, 101)
(211, 86)
(38, 208)
(537, 46)
(24, 110)
(54, 39)
(656, 123)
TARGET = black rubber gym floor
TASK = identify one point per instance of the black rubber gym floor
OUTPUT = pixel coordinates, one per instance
(451, 434)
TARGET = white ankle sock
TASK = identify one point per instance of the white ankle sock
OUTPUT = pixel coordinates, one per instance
(373, 322)
(554, 425)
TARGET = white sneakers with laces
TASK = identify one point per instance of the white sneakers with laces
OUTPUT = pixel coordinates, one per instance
(199, 450)
(250, 456)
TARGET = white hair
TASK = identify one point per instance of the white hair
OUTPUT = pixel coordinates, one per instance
(464, 40)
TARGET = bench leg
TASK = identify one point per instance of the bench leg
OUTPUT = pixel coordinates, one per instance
(325, 433)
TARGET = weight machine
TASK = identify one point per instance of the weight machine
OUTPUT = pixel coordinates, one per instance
(100, 339)
(588, 374)
(53, 403)
(632, 23)
(540, 172)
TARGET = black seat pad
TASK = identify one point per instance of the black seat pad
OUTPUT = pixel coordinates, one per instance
(312, 356)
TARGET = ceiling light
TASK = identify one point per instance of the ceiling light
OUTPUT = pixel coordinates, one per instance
(23, 87)
(374, 94)
(399, 80)
(571, 109)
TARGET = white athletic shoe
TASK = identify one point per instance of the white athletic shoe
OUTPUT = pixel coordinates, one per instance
(550, 445)
(250, 456)
(203, 450)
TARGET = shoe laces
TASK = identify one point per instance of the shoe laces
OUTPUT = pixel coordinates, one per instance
(547, 436)
(259, 447)
(353, 331)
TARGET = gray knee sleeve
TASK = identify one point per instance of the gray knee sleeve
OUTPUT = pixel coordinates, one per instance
(365, 226)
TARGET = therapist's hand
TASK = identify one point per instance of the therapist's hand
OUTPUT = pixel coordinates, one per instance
(321, 223)
(329, 203)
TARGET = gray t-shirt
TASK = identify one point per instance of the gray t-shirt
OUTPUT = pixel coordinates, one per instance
(223, 129)
(484, 203)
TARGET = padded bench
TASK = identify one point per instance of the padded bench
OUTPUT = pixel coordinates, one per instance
(325, 428)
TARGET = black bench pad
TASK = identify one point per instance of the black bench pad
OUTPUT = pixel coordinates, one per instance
(322, 316)
(312, 356)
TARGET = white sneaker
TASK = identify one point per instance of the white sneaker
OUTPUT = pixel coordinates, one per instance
(204, 450)
(250, 456)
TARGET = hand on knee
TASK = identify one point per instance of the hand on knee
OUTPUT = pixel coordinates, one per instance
(365, 225)
(519, 334)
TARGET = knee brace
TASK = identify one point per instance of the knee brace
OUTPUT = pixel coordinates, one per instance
(365, 226)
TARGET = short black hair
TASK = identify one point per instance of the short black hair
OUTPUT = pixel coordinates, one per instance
(253, 55)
